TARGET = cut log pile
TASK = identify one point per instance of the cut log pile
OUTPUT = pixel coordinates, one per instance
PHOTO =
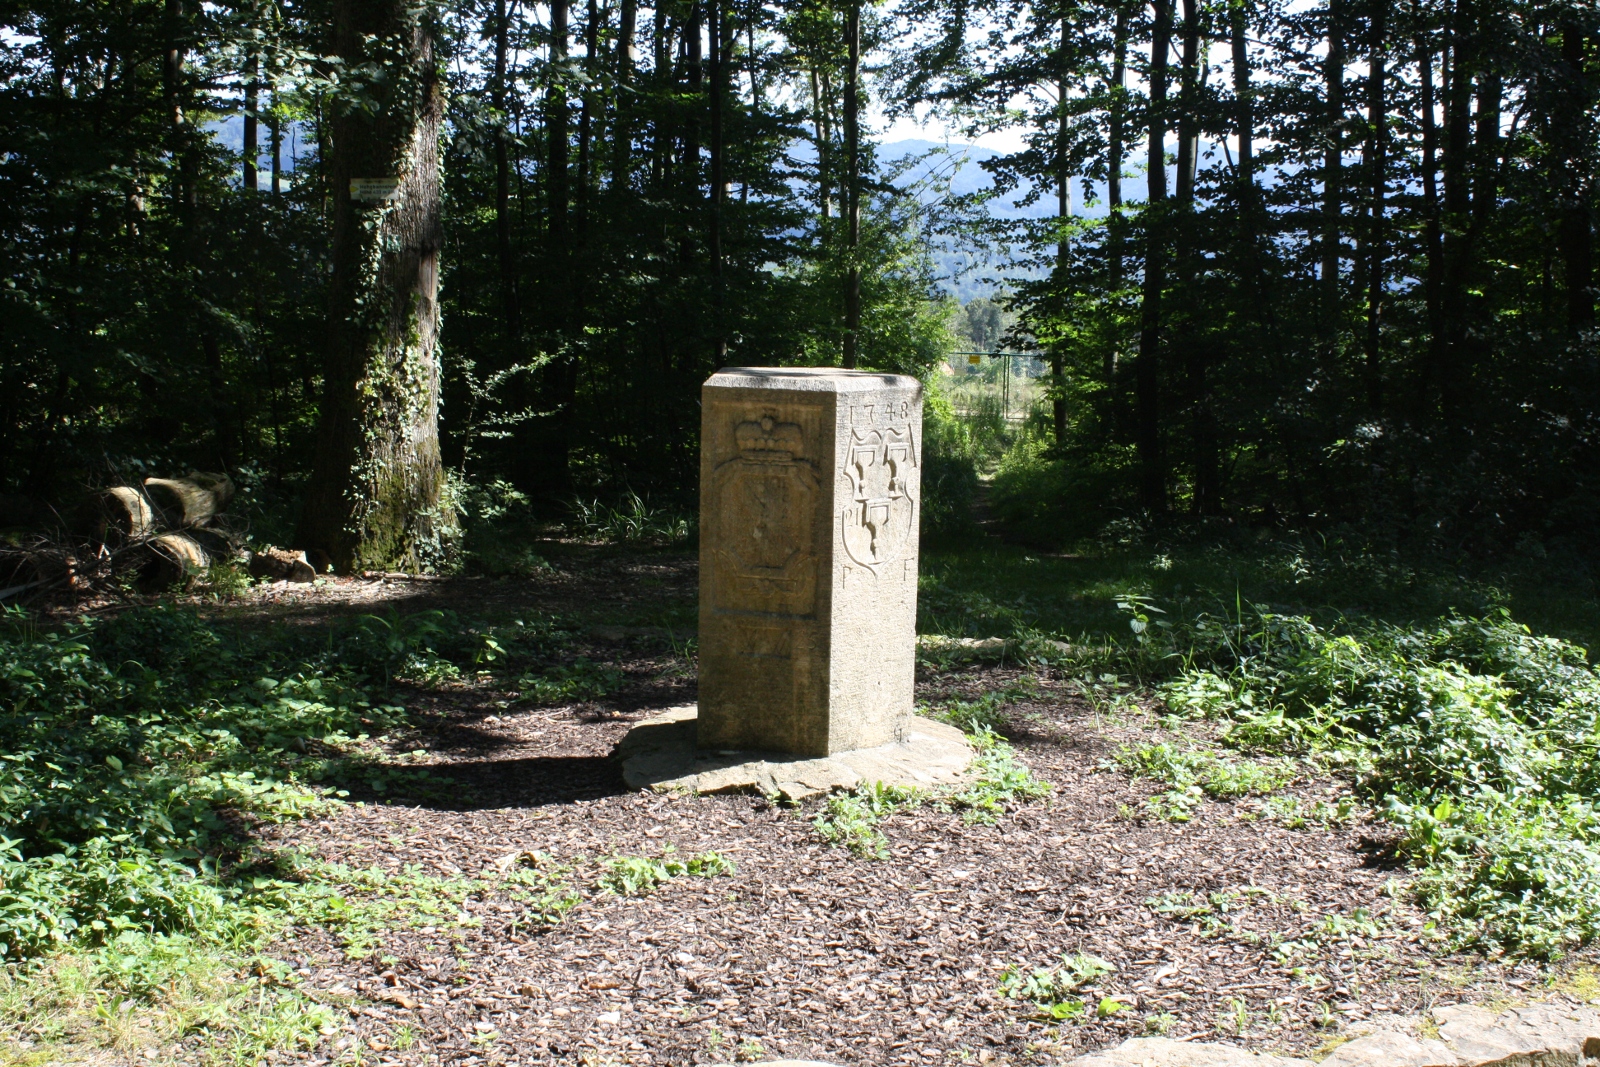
(159, 535)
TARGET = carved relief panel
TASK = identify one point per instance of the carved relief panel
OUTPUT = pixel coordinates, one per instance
(767, 496)
(878, 519)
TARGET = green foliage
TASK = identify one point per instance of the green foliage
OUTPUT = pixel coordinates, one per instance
(1200, 770)
(998, 781)
(497, 520)
(581, 679)
(951, 458)
(1472, 735)
(632, 521)
(985, 715)
(1051, 988)
(133, 744)
(1476, 737)
(850, 820)
(545, 896)
(632, 876)
(142, 990)
(359, 905)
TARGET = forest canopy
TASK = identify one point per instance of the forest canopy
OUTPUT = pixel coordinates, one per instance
(1359, 287)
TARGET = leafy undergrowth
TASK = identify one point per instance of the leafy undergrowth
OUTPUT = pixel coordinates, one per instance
(1052, 988)
(1473, 736)
(136, 754)
(997, 782)
(632, 876)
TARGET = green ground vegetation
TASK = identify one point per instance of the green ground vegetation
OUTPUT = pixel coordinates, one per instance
(142, 751)
(1472, 733)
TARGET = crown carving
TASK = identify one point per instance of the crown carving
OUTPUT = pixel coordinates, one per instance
(767, 438)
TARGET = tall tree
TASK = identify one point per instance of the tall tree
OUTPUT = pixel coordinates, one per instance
(1147, 369)
(374, 500)
(1376, 238)
(852, 153)
(1333, 163)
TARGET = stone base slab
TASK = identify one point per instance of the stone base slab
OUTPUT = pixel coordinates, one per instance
(659, 753)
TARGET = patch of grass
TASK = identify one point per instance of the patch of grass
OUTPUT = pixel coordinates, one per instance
(632, 520)
(539, 884)
(141, 993)
(1292, 813)
(360, 905)
(1176, 805)
(999, 781)
(986, 713)
(1190, 771)
(1160, 1023)
(134, 749)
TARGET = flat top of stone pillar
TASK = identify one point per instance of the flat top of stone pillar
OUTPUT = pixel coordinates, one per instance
(809, 379)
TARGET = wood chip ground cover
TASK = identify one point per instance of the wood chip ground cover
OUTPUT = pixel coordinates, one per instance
(1231, 926)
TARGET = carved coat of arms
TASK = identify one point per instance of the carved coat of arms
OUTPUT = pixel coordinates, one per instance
(767, 494)
(881, 515)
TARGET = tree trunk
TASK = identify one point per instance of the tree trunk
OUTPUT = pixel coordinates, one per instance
(252, 98)
(275, 139)
(1058, 402)
(510, 305)
(1188, 110)
(1333, 167)
(622, 130)
(556, 132)
(548, 468)
(1147, 371)
(718, 177)
(1246, 196)
(1577, 231)
(694, 66)
(1432, 235)
(1115, 223)
(374, 497)
(852, 151)
(660, 132)
(1202, 429)
(1377, 147)
(823, 138)
(587, 116)
(1449, 367)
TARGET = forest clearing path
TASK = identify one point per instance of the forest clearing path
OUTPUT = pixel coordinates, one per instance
(1227, 927)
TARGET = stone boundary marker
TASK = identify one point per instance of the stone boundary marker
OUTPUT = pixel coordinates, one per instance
(659, 753)
(1468, 1036)
(810, 496)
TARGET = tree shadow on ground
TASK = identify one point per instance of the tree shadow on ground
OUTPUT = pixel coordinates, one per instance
(529, 782)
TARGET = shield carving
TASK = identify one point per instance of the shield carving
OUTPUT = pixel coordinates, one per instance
(882, 514)
(766, 503)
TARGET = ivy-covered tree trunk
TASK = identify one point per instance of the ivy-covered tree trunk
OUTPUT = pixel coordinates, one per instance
(375, 498)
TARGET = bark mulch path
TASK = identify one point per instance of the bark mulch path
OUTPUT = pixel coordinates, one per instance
(1228, 927)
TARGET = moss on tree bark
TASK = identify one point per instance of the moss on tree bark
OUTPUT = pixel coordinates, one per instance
(376, 498)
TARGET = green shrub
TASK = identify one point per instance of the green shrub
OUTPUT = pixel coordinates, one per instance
(850, 820)
(951, 457)
(127, 745)
(998, 781)
(1221, 778)
(1477, 740)
(1051, 987)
